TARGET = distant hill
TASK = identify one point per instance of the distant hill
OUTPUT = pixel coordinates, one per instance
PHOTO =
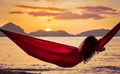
(12, 27)
(97, 32)
(50, 33)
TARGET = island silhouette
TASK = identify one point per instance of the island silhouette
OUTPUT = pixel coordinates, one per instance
(60, 33)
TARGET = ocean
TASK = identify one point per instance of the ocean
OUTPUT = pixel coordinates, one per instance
(14, 59)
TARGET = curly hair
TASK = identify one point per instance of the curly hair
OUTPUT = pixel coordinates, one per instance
(88, 48)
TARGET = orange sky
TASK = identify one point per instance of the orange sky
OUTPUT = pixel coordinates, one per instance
(73, 16)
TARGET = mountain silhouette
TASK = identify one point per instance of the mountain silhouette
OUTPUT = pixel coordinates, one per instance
(50, 33)
(12, 27)
(97, 32)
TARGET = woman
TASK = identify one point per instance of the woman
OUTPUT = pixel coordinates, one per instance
(89, 47)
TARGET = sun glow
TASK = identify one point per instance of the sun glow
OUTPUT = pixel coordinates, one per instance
(48, 29)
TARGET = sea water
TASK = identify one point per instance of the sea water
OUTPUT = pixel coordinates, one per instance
(107, 62)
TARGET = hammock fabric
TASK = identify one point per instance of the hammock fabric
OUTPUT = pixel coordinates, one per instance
(52, 52)
(109, 35)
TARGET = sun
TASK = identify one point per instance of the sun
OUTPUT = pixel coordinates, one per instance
(48, 29)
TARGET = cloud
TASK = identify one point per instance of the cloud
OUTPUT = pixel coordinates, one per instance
(43, 13)
(26, 0)
(100, 0)
(70, 15)
(40, 8)
(16, 12)
(99, 10)
(36, 0)
(44, 0)
(66, 15)
(87, 12)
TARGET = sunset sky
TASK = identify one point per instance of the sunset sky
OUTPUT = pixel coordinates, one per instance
(73, 16)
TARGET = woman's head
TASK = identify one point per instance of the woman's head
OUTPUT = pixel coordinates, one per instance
(88, 48)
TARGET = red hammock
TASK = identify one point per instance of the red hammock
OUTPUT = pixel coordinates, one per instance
(56, 53)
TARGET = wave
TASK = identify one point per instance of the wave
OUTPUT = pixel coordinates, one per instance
(107, 69)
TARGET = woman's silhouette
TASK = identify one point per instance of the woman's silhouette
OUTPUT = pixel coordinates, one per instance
(89, 47)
